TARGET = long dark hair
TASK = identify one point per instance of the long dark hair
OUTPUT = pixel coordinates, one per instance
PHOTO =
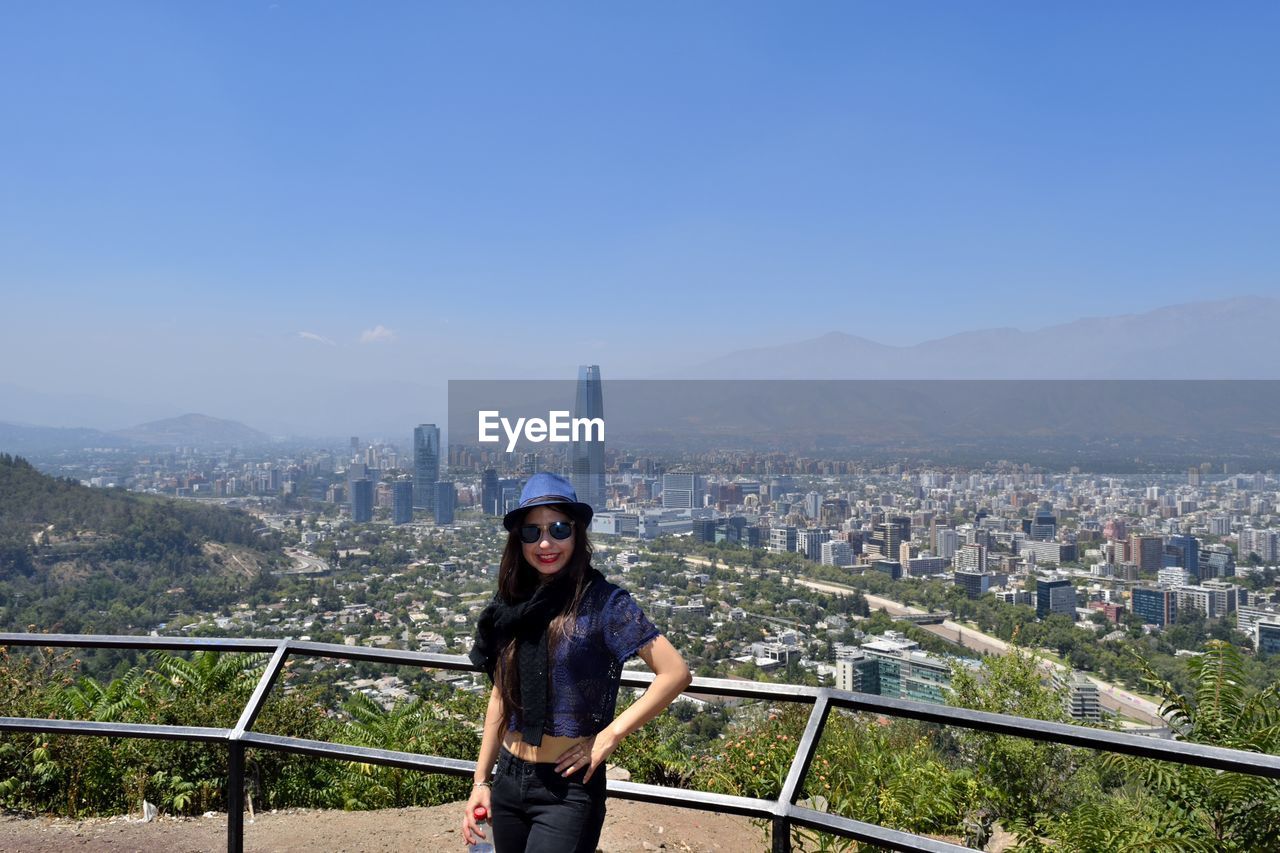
(517, 581)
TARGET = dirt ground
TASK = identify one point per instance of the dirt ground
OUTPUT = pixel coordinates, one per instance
(629, 826)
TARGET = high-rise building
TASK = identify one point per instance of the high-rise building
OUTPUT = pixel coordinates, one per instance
(1155, 606)
(489, 493)
(1043, 527)
(836, 552)
(682, 490)
(782, 539)
(1216, 561)
(973, 583)
(586, 454)
(971, 558)
(1183, 552)
(362, 500)
(1266, 638)
(402, 502)
(887, 540)
(445, 501)
(903, 671)
(809, 542)
(509, 494)
(1147, 552)
(946, 543)
(1264, 543)
(426, 464)
(1055, 596)
(1211, 599)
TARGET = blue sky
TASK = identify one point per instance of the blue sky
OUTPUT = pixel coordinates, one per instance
(433, 191)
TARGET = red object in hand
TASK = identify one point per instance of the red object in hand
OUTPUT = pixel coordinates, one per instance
(483, 842)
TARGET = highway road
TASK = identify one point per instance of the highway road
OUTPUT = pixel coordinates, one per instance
(304, 563)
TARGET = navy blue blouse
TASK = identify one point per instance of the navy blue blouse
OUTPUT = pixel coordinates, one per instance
(586, 665)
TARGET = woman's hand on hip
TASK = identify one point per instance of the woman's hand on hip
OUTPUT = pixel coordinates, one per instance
(590, 753)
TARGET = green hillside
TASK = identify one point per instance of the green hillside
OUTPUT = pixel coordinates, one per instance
(76, 559)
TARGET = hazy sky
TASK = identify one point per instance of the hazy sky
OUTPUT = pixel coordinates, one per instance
(220, 206)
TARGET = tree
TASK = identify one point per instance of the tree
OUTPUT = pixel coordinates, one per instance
(1019, 778)
(1223, 811)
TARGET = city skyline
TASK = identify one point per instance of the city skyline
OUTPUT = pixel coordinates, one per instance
(256, 210)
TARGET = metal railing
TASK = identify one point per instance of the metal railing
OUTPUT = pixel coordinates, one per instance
(782, 812)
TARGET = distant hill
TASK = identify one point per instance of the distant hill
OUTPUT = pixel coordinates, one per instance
(19, 438)
(77, 559)
(1226, 339)
(194, 429)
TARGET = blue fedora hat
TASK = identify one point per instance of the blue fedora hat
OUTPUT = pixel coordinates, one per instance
(547, 489)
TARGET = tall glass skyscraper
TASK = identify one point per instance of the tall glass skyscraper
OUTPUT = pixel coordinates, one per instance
(402, 502)
(490, 497)
(446, 498)
(426, 465)
(586, 456)
(362, 500)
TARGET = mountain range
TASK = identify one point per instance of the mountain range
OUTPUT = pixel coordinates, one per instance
(1227, 339)
(191, 429)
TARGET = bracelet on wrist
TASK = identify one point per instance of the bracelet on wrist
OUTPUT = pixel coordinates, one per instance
(481, 785)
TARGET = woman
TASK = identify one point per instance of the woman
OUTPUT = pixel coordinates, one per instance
(553, 641)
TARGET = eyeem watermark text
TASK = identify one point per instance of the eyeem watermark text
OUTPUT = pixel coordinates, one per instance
(557, 427)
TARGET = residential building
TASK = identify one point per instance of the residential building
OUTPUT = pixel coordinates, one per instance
(1081, 698)
(971, 558)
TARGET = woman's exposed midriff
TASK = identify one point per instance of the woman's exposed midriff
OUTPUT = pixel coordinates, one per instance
(548, 752)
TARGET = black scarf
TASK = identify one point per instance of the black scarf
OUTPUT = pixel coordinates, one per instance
(526, 623)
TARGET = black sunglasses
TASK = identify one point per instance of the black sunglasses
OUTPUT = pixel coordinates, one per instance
(561, 530)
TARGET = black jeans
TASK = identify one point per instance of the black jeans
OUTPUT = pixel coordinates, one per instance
(536, 810)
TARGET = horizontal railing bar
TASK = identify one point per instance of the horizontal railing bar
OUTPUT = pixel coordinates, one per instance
(397, 657)
(1221, 758)
(97, 728)
(125, 641)
(363, 754)
(1182, 752)
(735, 689)
(692, 799)
(871, 833)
